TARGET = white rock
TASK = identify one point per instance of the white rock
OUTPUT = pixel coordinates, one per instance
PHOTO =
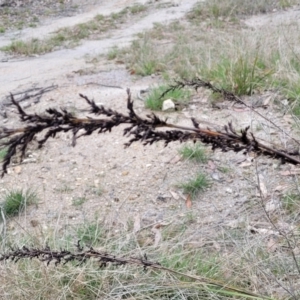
(168, 105)
(229, 191)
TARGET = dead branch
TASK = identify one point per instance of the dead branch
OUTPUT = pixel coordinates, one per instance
(34, 93)
(197, 83)
(139, 129)
(104, 259)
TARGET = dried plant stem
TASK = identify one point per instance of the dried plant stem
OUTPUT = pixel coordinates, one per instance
(47, 255)
(197, 83)
(139, 129)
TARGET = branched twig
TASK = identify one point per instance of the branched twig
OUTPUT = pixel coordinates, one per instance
(35, 92)
(139, 129)
(197, 83)
(64, 256)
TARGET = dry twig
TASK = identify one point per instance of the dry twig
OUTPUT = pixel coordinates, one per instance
(139, 129)
(62, 257)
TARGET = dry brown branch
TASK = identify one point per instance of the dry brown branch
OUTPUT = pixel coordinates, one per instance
(197, 83)
(63, 256)
(139, 129)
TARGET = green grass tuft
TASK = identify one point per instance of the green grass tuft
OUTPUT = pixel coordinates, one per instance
(112, 53)
(194, 152)
(3, 152)
(15, 201)
(79, 201)
(194, 186)
(154, 100)
(291, 203)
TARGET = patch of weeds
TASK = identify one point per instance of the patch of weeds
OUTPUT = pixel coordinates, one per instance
(27, 48)
(144, 58)
(15, 201)
(98, 191)
(291, 203)
(137, 8)
(154, 100)
(242, 75)
(201, 263)
(65, 189)
(233, 9)
(79, 201)
(173, 231)
(224, 169)
(71, 36)
(194, 152)
(2, 29)
(112, 53)
(90, 233)
(196, 185)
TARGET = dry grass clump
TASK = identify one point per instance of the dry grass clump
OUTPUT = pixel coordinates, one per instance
(154, 100)
(15, 201)
(30, 278)
(234, 9)
(71, 36)
(242, 61)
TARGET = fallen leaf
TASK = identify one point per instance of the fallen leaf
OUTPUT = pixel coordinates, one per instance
(137, 223)
(272, 245)
(240, 109)
(175, 159)
(267, 100)
(174, 195)
(17, 169)
(217, 246)
(246, 164)
(280, 188)
(290, 172)
(262, 187)
(211, 165)
(188, 201)
(157, 237)
(262, 231)
(272, 205)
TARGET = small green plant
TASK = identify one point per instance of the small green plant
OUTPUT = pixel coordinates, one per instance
(224, 169)
(98, 191)
(242, 75)
(79, 201)
(64, 189)
(196, 185)
(194, 152)
(3, 152)
(215, 9)
(137, 8)
(154, 100)
(112, 53)
(291, 203)
(90, 233)
(203, 264)
(15, 201)
(2, 29)
(144, 58)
